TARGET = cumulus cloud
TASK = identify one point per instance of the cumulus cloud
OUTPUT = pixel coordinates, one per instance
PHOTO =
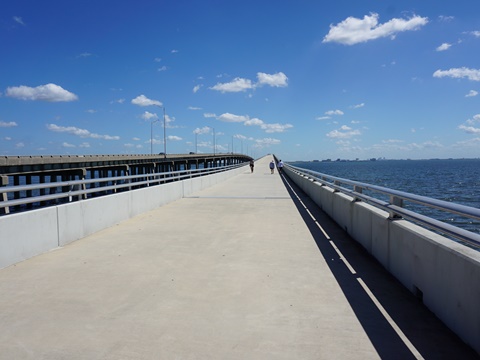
(275, 128)
(353, 30)
(149, 116)
(227, 117)
(334, 112)
(247, 121)
(72, 130)
(240, 84)
(458, 73)
(344, 132)
(254, 121)
(471, 125)
(472, 93)
(174, 138)
(275, 80)
(237, 85)
(196, 88)
(444, 46)
(48, 92)
(142, 100)
(204, 130)
(8, 124)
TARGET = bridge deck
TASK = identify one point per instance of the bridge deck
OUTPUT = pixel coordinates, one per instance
(238, 271)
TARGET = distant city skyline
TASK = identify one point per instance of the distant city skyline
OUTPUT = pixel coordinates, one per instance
(303, 80)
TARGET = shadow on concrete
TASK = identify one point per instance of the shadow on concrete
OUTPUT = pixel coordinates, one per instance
(429, 336)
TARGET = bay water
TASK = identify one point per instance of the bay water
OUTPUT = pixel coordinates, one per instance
(452, 180)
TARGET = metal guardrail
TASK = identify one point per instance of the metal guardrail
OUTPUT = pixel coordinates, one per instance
(396, 201)
(75, 190)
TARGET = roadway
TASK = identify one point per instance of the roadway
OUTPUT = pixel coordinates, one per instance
(242, 270)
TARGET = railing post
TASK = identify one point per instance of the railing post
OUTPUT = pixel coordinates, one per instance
(394, 200)
(4, 182)
(357, 189)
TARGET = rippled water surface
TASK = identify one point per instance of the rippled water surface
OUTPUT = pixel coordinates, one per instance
(456, 181)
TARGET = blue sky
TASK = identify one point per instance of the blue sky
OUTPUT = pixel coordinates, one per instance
(302, 79)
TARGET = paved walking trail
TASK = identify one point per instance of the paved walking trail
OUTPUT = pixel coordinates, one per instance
(236, 271)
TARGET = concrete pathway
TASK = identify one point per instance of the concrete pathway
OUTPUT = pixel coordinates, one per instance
(238, 271)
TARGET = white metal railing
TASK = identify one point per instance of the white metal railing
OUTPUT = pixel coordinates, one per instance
(394, 203)
(75, 190)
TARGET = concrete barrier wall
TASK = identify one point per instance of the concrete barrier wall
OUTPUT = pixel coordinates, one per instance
(31, 233)
(26, 235)
(445, 274)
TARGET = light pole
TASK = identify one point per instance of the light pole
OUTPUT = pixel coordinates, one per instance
(164, 132)
(151, 136)
(214, 142)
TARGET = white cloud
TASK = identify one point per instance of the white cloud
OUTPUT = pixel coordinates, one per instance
(196, 88)
(267, 142)
(323, 118)
(275, 128)
(254, 121)
(194, 108)
(48, 92)
(358, 106)
(240, 84)
(163, 68)
(275, 80)
(19, 145)
(471, 74)
(174, 138)
(204, 130)
(209, 115)
(334, 112)
(142, 100)
(475, 33)
(240, 136)
(469, 126)
(8, 124)
(344, 132)
(237, 85)
(443, 47)
(353, 30)
(445, 18)
(149, 116)
(67, 145)
(227, 117)
(472, 93)
(80, 132)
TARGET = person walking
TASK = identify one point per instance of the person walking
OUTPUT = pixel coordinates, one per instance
(280, 166)
(252, 165)
(272, 167)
